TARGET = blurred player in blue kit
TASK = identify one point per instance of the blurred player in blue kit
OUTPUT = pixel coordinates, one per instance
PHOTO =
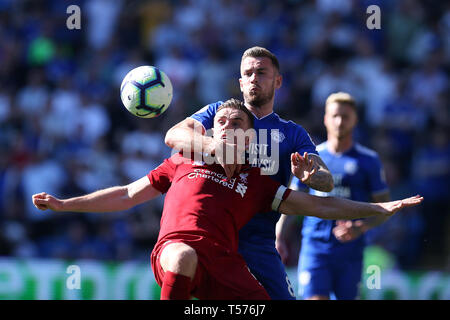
(277, 141)
(331, 255)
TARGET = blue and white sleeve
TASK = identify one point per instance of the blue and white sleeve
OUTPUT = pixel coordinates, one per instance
(206, 115)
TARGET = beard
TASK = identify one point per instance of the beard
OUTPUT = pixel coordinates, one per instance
(258, 99)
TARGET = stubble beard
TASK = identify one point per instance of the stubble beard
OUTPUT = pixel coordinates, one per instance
(258, 100)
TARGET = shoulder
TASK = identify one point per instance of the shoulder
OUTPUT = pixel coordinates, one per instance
(322, 147)
(284, 122)
(289, 126)
(367, 155)
(206, 114)
(366, 152)
(209, 109)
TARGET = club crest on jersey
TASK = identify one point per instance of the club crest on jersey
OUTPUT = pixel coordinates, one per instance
(277, 136)
(241, 188)
(351, 167)
(243, 177)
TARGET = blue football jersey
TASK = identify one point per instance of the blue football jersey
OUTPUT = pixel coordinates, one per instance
(357, 175)
(276, 140)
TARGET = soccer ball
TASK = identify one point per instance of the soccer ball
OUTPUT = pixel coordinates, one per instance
(146, 91)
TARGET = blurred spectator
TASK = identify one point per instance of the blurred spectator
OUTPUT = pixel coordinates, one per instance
(431, 174)
(213, 76)
(428, 83)
(334, 79)
(42, 173)
(376, 77)
(102, 16)
(32, 99)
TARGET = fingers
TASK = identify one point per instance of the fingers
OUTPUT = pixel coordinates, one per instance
(43, 201)
(416, 199)
(342, 234)
(308, 173)
(293, 159)
(40, 202)
(39, 195)
(412, 201)
(405, 203)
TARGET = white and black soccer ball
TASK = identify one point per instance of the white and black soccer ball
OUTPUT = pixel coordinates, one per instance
(146, 92)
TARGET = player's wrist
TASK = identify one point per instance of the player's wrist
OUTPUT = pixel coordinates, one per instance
(60, 205)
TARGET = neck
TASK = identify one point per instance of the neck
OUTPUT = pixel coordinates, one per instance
(261, 111)
(339, 145)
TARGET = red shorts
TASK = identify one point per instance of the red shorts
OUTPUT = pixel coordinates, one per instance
(221, 274)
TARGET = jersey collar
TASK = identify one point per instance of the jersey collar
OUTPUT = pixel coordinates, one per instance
(263, 117)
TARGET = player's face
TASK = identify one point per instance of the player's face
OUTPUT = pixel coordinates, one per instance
(340, 120)
(230, 119)
(259, 80)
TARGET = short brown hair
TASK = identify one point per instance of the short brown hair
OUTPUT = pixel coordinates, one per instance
(257, 52)
(237, 105)
(341, 97)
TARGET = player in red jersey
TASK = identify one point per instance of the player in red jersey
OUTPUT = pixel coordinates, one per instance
(196, 253)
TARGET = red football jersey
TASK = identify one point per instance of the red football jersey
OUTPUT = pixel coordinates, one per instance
(201, 201)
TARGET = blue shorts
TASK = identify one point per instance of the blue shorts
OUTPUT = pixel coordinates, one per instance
(325, 275)
(266, 265)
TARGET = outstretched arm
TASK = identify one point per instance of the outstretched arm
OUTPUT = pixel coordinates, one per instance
(117, 198)
(348, 230)
(333, 208)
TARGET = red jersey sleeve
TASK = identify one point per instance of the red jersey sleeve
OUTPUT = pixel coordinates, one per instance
(161, 177)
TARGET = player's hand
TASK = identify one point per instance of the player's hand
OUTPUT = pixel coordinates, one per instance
(348, 230)
(44, 201)
(389, 208)
(302, 167)
(282, 249)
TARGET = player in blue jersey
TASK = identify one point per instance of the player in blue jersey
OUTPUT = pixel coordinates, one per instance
(277, 140)
(331, 255)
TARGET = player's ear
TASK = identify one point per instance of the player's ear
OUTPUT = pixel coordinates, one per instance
(355, 118)
(278, 81)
